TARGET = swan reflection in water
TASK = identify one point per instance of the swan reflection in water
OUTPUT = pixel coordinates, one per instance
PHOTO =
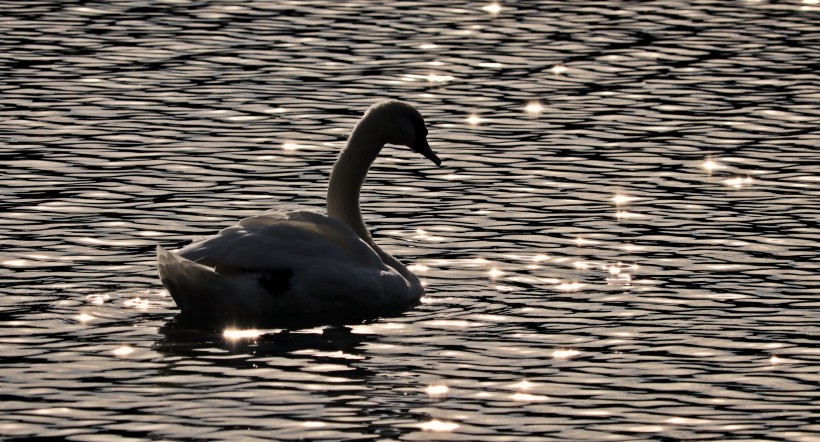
(183, 338)
(303, 265)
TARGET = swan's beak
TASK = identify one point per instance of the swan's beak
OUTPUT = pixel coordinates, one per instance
(421, 146)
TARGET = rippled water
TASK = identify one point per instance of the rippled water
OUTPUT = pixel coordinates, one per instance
(622, 243)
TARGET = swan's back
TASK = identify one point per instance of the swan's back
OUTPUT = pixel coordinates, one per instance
(278, 264)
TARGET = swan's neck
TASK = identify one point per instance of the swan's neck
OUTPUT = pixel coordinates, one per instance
(345, 186)
(348, 176)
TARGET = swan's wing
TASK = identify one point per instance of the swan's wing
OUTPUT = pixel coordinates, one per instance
(277, 263)
(275, 241)
(334, 288)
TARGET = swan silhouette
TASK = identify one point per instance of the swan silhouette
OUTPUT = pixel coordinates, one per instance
(304, 263)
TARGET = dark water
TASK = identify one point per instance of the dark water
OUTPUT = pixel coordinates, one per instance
(633, 257)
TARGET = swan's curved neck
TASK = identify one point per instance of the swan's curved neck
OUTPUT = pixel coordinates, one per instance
(348, 176)
(347, 179)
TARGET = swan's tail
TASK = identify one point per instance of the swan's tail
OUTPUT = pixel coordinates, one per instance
(197, 290)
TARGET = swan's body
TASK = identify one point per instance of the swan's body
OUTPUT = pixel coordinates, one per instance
(301, 263)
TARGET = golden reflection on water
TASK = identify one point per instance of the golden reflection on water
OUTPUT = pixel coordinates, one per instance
(474, 120)
(522, 385)
(84, 317)
(328, 354)
(418, 268)
(431, 77)
(776, 360)
(625, 214)
(620, 199)
(436, 391)
(245, 118)
(150, 233)
(437, 425)
(422, 234)
(581, 265)
(559, 69)
(527, 397)
(711, 165)
(524, 395)
(453, 176)
(619, 273)
(570, 286)
(15, 263)
(459, 323)
(632, 247)
(137, 303)
(534, 108)
(580, 242)
(236, 334)
(123, 350)
(687, 421)
(645, 428)
(98, 298)
(493, 9)
(565, 353)
(290, 146)
(495, 273)
(110, 242)
(739, 182)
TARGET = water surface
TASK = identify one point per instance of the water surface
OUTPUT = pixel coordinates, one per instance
(621, 244)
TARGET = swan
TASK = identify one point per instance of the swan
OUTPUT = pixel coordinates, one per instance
(304, 263)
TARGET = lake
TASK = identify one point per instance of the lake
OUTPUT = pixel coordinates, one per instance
(622, 242)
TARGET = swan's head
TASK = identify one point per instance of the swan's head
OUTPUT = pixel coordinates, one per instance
(404, 126)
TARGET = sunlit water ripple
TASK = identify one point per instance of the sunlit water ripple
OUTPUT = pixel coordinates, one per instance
(621, 244)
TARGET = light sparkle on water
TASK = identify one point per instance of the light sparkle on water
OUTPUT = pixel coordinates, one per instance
(565, 353)
(437, 425)
(235, 334)
(570, 286)
(739, 182)
(290, 147)
(123, 350)
(527, 397)
(493, 9)
(711, 165)
(420, 268)
(620, 199)
(436, 390)
(84, 317)
(495, 273)
(534, 108)
(559, 69)
(523, 385)
(433, 77)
